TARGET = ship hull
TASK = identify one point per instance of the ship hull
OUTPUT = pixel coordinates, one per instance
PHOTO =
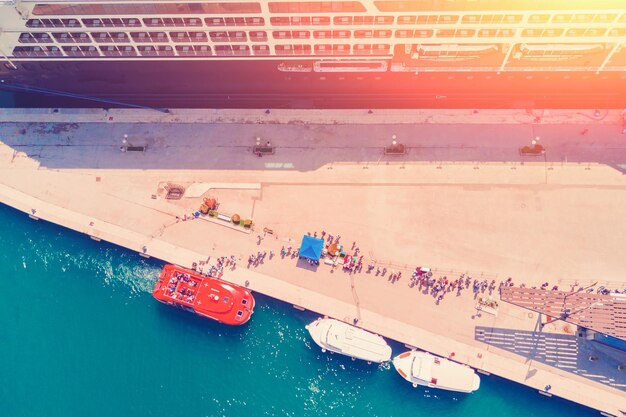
(260, 84)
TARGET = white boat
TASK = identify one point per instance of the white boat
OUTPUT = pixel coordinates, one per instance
(422, 368)
(340, 337)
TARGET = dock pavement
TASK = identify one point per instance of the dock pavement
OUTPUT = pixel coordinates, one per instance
(460, 200)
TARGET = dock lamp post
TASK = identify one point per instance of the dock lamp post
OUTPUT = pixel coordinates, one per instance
(395, 148)
(124, 146)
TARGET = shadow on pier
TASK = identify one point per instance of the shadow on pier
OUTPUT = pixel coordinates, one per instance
(307, 147)
(565, 352)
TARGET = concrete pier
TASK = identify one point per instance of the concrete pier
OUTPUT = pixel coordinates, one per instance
(460, 200)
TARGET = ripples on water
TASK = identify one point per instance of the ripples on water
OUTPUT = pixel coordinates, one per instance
(129, 352)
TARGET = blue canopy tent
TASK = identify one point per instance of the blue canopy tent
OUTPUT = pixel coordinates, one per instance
(311, 248)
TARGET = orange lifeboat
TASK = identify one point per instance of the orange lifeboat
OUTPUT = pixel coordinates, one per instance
(206, 296)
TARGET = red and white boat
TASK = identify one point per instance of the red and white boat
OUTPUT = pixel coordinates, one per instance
(205, 296)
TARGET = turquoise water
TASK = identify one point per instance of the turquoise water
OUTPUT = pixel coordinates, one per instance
(81, 335)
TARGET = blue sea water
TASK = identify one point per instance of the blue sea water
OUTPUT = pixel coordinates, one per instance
(81, 335)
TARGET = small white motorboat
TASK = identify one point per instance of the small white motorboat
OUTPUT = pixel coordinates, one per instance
(340, 337)
(422, 368)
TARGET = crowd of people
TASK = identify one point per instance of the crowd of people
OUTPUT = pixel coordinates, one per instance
(422, 278)
(185, 292)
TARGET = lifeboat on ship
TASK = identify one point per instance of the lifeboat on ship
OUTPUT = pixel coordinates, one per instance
(205, 296)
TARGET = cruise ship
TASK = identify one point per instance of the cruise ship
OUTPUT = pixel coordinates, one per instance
(331, 54)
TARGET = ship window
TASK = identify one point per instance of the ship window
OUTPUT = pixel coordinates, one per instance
(147, 8)
(111, 51)
(406, 20)
(223, 50)
(341, 49)
(363, 20)
(153, 21)
(374, 34)
(424, 33)
(301, 34)
(381, 49)
(471, 18)
(604, 18)
(424, 20)
(37, 37)
(219, 36)
(72, 37)
(260, 49)
(383, 20)
(101, 37)
(92, 22)
(180, 37)
(575, 32)
(22, 51)
(132, 22)
(512, 18)
(552, 32)
(623, 18)
(617, 32)
(237, 36)
(147, 50)
(283, 50)
(322, 49)
(445, 33)
(538, 18)
(532, 32)
(53, 23)
(54, 51)
(322, 34)
(27, 38)
(302, 20)
(402, 34)
(280, 21)
(202, 50)
(321, 20)
(258, 36)
(127, 50)
(595, 32)
(448, 19)
(235, 21)
(492, 33)
(255, 21)
(185, 50)
(119, 37)
(297, 50)
(34, 23)
(316, 7)
(214, 21)
(88, 51)
(582, 18)
(561, 18)
(281, 34)
(360, 49)
(343, 20)
(155, 50)
(465, 33)
(341, 34)
(149, 36)
(192, 21)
